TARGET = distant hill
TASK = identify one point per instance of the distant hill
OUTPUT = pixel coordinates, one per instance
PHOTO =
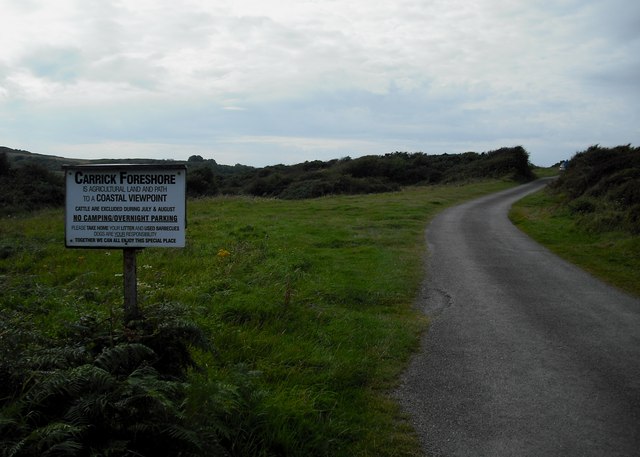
(19, 158)
(368, 174)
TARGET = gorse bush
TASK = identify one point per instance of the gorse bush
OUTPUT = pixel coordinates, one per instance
(602, 186)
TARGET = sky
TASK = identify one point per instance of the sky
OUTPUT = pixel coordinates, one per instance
(265, 82)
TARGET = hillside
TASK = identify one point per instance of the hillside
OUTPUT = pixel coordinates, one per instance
(363, 175)
(20, 158)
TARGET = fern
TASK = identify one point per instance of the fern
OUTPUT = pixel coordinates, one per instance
(59, 357)
(124, 358)
(105, 390)
(52, 439)
(89, 409)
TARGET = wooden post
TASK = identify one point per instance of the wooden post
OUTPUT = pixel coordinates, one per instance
(131, 311)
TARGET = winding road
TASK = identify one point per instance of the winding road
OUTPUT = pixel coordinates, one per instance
(526, 354)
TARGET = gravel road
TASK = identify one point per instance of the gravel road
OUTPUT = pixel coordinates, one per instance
(526, 355)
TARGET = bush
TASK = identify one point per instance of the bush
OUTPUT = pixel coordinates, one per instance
(30, 187)
(582, 206)
(103, 390)
(505, 162)
(601, 184)
(201, 181)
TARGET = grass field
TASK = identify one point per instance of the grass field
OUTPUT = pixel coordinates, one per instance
(308, 305)
(613, 256)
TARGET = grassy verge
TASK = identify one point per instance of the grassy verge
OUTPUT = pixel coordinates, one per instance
(611, 256)
(308, 304)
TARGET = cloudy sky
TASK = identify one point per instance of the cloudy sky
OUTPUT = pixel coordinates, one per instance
(262, 82)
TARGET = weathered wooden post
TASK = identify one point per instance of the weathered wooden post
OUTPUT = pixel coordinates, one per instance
(131, 310)
(125, 206)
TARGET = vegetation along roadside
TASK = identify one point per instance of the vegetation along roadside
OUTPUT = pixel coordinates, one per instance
(278, 330)
(591, 214)
(282, 326)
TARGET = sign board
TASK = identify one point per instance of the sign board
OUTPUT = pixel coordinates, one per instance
(125, 206)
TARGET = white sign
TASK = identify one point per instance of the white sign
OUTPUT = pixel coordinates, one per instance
(125, 206)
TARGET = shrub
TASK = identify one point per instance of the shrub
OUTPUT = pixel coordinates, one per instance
(201, 181)
(602, 185)
(103, 390)
(582, 206)
(505, 162)
(29, 188)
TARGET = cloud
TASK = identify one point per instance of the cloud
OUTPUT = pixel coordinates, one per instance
(288, 79)
(58, 64)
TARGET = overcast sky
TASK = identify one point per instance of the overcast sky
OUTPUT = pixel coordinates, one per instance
(262, 82)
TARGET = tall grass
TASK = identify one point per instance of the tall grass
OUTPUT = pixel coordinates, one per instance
(308, 305)
(613, 255)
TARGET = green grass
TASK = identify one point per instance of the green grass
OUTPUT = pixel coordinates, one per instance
(613, 256)
(545, 172)
(313, 297)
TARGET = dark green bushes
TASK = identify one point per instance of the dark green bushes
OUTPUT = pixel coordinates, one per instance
(602, 186)
(103, 389)
(201, 181)
(363, 175)
(29, 187)
(33, 186)
(374, 174)
(509, 162)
